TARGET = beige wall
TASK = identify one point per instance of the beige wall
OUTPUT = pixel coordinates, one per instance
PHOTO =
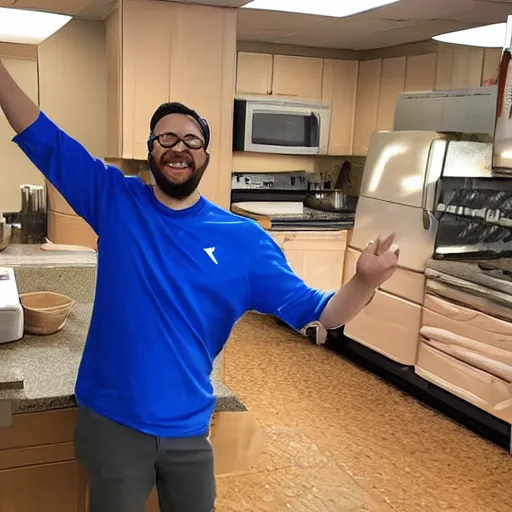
(73, 82)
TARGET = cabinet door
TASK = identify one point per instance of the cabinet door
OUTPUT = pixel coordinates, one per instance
(203, 77)
(490, 66)
(459, 68)
(254, 73)
(339, 90)
(367, 104)
(421, 73)
(56, 487)
(146, 70)
(299, 77)
(392, 84)
(318, 261)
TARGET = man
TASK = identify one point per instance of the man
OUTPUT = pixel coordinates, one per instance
(175, 272)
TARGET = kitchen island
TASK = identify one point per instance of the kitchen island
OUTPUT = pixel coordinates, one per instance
(38, 470)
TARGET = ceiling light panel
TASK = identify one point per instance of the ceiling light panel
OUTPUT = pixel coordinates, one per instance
(488, 36)
(28, 27)
(331, 8)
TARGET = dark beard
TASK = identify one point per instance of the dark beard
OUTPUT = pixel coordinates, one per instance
(177, 191)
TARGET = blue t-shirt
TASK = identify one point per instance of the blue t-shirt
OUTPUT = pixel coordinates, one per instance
(170, 287)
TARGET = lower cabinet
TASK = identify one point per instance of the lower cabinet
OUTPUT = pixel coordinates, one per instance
(38, 470)
(317, 257)
(58, 486)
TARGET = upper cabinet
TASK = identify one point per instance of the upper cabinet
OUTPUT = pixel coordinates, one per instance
(392, 84)
(152, 60)
(339, 90)
(420, 73)
(299, 77)
(280, 75)
(254, 73)
(459, 67)
(367, 104)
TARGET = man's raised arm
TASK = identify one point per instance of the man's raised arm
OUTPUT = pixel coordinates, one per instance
(18, 108)
(84, 181)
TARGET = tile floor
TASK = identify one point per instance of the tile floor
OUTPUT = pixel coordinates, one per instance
(339, 439)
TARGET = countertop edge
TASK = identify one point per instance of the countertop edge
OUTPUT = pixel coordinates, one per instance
(226, 401)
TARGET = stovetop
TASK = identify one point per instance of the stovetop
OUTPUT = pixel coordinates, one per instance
(312, 214)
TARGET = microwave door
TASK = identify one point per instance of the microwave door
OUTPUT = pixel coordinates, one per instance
(275, 130)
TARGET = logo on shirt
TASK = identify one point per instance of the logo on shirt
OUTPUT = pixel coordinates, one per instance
(210, 251)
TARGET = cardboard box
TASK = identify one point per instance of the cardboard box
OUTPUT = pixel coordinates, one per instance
(237, 439)
(70, 230)
(56, 202)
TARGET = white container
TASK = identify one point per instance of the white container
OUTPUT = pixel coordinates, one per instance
(11, 312)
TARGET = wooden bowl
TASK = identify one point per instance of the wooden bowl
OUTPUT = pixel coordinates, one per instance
(45, 312)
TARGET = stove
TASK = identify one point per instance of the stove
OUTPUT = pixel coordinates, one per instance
(280, 197)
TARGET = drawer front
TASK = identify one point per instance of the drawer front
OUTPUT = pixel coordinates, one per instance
(442, 314)
(404, 283)
(42, 428)
(389, 325)
(477, 387)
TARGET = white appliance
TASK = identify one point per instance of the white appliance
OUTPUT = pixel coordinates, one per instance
(399, 193)
(464, 111)
(11, 312)
(273, 125)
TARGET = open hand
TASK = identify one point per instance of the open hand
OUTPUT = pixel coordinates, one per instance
(378, 261)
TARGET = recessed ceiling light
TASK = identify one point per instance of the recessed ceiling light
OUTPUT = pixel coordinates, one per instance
(28, 27)
(488, 36)
(332, 8)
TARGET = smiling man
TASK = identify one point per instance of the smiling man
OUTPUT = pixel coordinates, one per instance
(175, 273)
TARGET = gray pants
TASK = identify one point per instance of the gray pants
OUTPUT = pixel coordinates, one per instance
(123, 465)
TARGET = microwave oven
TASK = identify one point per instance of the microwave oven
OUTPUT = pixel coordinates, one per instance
(283, 126)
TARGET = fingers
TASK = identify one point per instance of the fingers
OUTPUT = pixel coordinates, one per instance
(383, 245)
(371, 247)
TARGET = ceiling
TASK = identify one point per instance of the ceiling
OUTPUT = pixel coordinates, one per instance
(406, 21)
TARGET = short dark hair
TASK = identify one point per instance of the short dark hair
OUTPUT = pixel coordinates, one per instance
(178, 108)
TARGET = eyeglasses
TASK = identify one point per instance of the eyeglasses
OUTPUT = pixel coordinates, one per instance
(169, 140)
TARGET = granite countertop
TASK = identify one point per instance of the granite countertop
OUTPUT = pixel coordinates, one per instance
(26, 255)
(47, 365)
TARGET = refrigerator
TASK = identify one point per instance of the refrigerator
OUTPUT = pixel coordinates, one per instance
(398, 194)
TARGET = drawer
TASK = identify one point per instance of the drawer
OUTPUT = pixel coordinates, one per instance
(404, 283)
(442, 314)
(473, 385)
(389, 325)
(41, 428)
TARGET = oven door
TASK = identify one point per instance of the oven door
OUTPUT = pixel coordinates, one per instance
(284, 130)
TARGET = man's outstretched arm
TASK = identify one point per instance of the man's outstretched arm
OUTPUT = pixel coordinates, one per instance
(83, 180)
(18, 108)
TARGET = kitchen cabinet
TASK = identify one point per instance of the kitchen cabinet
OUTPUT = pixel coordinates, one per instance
(37, 464)
(317, 257)
(459, 68)
(490, 66)
(254, 73)
(367, 104)
(299, 77)
(392, 84)
(465, 350)
(279, 75)
(152, 59)
(339, 90)
(390, 323)
(420, 74)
